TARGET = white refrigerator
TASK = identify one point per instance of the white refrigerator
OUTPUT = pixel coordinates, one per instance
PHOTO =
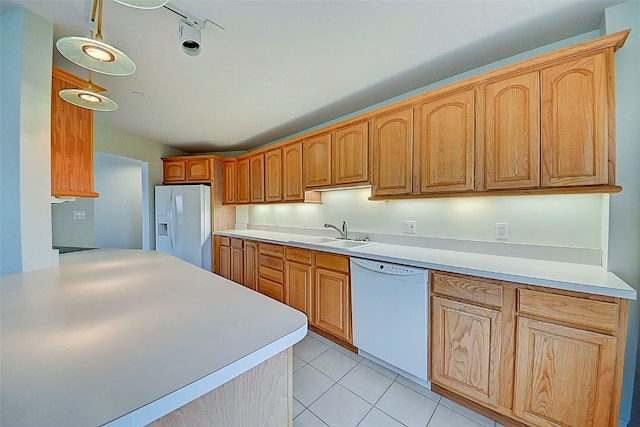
(183, 222)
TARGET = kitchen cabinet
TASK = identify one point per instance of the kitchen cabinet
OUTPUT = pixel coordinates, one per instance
(237, 261)
(271, 271)
(230, 252)
(256, 178)
(508, 139)
(292, 173)
(229, 179)
(188, 169)
(575, 133)
(224, 269)
(444, 148)
(332, 295)
(539, 356)
(243, 181)
(251, 265)
(298, 279)
(273, 175)
(174, 171)
(351, 155)
(317, 161)
(197, 169)
(391, 153)
(71, 141)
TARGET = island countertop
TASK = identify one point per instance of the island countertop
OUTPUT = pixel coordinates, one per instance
(123, 337)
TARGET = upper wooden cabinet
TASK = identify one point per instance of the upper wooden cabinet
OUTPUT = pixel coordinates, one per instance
(256, 178)
(508, 138)
(71, 141)
(575, 139)
(317, 161)
(188, 169)
(292, 172)
(198, 169)
(391, 153)
(445, 145)
(229, 178)
(273, 175)
(243, 181)
(174, 171)
(350, 154)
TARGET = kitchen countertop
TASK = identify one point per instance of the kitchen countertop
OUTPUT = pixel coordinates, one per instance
(123, 337)
(558, 275)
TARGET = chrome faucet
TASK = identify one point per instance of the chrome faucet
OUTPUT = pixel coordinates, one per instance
(343, 232)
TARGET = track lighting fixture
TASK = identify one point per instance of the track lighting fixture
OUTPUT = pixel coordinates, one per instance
(189, 38)
(143, 4)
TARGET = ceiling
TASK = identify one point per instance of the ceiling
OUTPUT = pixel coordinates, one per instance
(281, 67)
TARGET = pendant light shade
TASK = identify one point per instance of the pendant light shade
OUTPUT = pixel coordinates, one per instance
(95, 55)
(88, 99)
(143, 4)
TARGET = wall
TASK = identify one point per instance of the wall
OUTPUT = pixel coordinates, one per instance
(624, 209)
(68, 231)
(26, 170)
(119, 143)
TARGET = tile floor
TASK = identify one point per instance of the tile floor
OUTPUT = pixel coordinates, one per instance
(337, 388)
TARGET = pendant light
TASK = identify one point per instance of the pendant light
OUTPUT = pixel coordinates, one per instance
(92, 53)
(143, 4)
(88, 98)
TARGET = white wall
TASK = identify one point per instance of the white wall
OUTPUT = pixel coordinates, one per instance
(68, 231)
(118, 210)
(624, 210)
(26, 142)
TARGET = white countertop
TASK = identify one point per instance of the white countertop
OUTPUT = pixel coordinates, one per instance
(122, 337)
(559, 275)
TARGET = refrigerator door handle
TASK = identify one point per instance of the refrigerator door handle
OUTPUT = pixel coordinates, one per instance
(171, 220)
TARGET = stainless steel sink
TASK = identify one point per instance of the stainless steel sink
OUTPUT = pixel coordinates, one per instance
(348, 244)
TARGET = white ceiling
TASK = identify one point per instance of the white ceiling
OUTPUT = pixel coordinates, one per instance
(281, 67)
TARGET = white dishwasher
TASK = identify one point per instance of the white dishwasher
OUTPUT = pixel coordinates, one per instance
(390, 315)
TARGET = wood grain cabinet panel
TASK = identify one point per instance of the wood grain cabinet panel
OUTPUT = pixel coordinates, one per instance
(564, 376)
(243, 181)
(292, 173)
(225, 262)
(317, 161)
(237, 261)
(256, 178)
(251, 265)
(574, 122)
(445, 151)
(71, 141)
(298, 278)
(391, 153)
(351, 154)
(175, 171)
(271, 271)
(332, 311)
(273, 175)
(509, 133)
(198, 169)
(465, 349)
(229, 180)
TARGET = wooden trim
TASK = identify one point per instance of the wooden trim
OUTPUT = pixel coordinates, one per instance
(586, 189)
(619, 363)
(63, 194)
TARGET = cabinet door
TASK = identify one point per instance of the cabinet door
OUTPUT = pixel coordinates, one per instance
(351, 154)
(446, 143)
(71, 141)
(298, 286)
(391, 156)
(251, 265)
(242, 181)
(256, 174)
(198, 170)
(574, 122)
(509, 132)
(237, 265)
(273, 175)
(225, 262)
(292, 172)
(465, 348)
(332, 311)
(174, 171)
(229, 180)
(317, 161)
(564, 376)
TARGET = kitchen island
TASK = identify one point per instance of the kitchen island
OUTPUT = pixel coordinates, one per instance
(124, 337)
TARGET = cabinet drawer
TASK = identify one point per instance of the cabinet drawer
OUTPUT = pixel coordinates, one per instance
(302, 256)
(599, 315)
(332, 262)
(467, 288)
(271, 289)
(270, 262)
(271, 274)
(225, 241)
(237, 243)
(269, 249)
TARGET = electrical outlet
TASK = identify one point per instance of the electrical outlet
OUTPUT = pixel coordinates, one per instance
(78, 214)
(502, 230)
(409, 226)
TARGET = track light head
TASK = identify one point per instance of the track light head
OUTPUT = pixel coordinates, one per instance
(190, 38)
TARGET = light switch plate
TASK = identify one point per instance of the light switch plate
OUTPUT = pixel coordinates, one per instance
(78, 214)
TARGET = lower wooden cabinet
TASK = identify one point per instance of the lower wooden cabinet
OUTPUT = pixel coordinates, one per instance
(271, 270)
(237, 261)
(332, 295)
(251, 264)
(298, 277)
(540, 356)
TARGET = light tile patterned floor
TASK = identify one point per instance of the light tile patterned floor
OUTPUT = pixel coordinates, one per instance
(337, 388)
